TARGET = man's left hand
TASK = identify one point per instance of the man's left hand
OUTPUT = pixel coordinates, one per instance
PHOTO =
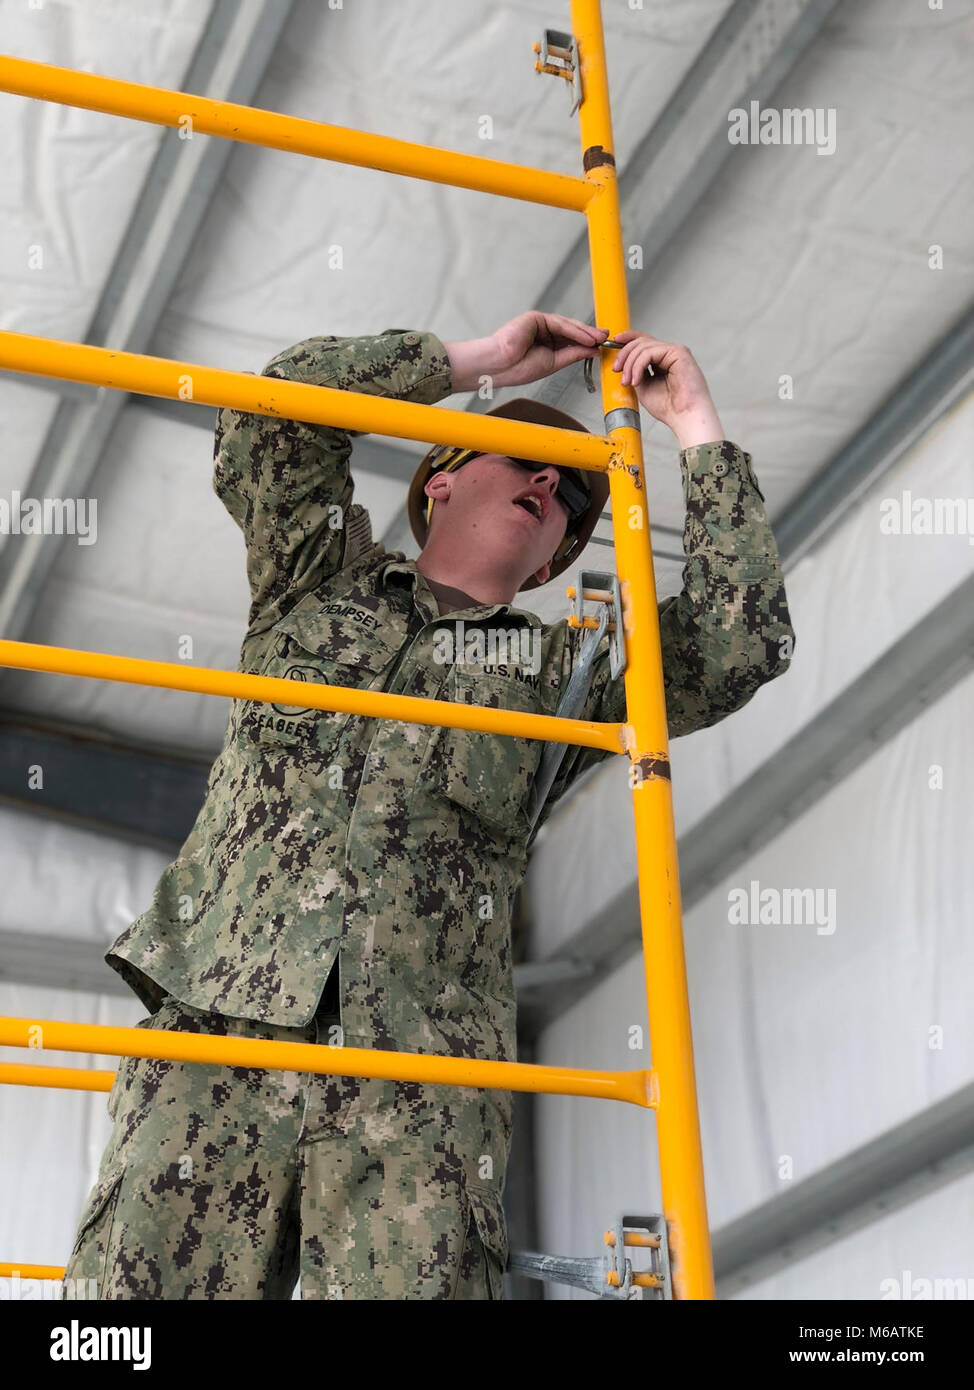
(676, 394)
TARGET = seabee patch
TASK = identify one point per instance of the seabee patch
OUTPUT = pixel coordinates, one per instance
(298, 673)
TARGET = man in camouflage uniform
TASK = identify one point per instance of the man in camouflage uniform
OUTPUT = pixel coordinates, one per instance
(350, 880)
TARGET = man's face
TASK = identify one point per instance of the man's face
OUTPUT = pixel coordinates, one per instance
(510, 512)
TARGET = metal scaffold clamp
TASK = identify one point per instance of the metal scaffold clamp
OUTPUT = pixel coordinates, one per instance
(559, 56)
(610, 1276)
(641, 1232)
(602, 587)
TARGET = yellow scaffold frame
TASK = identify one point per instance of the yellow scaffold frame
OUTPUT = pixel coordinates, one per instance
(670, 1087)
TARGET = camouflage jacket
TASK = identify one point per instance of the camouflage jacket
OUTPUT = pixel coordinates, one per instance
(397, 849)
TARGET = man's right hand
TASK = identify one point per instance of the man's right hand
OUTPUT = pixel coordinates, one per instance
(526, 348)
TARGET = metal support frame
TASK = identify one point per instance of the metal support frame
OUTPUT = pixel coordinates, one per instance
(678, 1127)
(145, 795)
(601, 586)
(670, 1088)
(559, 56)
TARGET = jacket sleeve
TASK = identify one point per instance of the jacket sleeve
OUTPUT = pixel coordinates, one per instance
(287, 484)
(728, 631)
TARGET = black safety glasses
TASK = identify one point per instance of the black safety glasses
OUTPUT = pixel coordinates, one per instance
(572, 490)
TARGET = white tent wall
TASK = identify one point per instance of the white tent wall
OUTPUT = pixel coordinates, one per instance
(850, 600)
(918, 1253)
(52, 1139)
(62, 881)
(808, 1041)
(65, 883)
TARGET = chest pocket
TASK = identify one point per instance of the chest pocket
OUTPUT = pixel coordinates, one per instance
(345, 648)
(489, 775)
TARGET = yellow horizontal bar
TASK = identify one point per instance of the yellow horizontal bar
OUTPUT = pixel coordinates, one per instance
(587, 622)
(642, 1281)
(64, 1078)
(591, 595)
(634, 1238)
(633, 1086)
(252, 126)
(295, 400)
(373, 704)
(31, 1271)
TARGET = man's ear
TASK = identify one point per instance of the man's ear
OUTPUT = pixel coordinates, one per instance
(439, 485)
(543, 574)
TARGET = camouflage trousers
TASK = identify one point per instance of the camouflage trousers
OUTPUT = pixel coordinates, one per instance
(230, 1182)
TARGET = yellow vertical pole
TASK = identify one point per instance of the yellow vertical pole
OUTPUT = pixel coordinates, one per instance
(678, 1127)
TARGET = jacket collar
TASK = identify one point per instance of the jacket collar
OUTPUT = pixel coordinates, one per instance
(425, 599)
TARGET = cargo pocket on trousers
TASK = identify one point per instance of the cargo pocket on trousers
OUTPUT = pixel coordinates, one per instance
(487, 1213)
(90, 1253)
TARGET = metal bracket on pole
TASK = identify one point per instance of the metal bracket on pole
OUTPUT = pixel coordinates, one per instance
(603, 588)
(559, 56)
(647, 1232)
(609, 1276)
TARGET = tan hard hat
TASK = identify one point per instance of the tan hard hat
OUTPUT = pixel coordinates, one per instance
(533, 413)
